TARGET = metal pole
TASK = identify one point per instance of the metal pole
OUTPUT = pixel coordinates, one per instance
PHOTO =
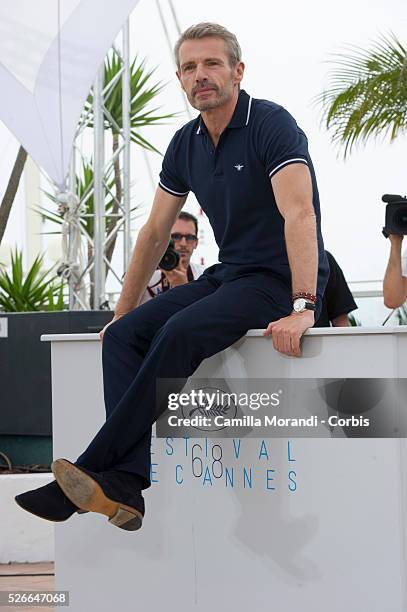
(167, 36)
(99, 191)
(174, 16)
(72, 189)
(126, 101)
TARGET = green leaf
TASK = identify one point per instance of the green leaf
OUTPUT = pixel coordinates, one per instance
(33, 291)
(367, 96)
(142, 92)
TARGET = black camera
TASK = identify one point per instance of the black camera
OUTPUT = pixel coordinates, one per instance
(170, 259)
(396, 215)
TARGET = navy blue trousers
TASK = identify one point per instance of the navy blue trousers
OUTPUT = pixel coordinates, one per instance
(168, 337)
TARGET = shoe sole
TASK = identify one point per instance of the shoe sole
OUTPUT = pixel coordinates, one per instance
(87, 493)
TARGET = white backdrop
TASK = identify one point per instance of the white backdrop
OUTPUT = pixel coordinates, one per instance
(49, 53)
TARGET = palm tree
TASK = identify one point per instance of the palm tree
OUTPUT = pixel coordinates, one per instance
(84, 191)
(367, 96)
(142, 93)
(11, 190)
(36, 290)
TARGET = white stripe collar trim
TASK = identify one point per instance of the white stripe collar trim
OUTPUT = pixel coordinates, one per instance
(248, 110)
(249, 106)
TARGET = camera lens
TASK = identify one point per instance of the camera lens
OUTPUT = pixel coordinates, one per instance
(170, 259)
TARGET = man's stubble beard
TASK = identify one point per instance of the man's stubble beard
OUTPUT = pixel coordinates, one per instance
(206, 105)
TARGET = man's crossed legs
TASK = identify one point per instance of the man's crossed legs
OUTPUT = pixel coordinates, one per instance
(167, 337)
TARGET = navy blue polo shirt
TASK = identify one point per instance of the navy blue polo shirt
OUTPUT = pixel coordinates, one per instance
(232, 183)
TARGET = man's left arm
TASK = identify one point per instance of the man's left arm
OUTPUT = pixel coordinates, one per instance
(292, 187)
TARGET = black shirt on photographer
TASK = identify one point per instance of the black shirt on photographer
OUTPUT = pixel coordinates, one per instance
(337, 299)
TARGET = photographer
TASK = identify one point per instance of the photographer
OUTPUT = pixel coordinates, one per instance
(395, 278)
(184, 234)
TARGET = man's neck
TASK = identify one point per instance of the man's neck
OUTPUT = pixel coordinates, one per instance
(216, 119)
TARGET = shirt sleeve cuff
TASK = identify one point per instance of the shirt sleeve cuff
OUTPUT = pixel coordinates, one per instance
(292, 160)
(172, 191)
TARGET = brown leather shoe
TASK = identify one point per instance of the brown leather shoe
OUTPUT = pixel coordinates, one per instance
(113, 493)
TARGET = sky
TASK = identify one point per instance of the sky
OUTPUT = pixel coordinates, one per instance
(286, 48)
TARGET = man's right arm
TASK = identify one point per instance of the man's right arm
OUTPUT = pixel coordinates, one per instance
(394, 283)
(152, 241)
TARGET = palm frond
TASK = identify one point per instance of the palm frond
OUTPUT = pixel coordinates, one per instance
(367, 95)
(36, 290)
(142, 92)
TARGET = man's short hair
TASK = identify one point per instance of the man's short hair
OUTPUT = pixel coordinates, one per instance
(186, 216)
(201, 30)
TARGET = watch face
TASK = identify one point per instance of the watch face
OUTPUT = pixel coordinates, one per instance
(299, 305)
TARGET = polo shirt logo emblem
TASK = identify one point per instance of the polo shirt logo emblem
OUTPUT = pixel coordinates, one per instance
(239, 167)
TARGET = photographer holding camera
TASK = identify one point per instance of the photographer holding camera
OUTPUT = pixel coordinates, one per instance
(184, 236)
(395, 278)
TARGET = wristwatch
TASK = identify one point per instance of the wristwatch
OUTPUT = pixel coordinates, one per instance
(300, 304)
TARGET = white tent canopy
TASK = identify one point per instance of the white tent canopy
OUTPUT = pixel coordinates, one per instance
(50, 51)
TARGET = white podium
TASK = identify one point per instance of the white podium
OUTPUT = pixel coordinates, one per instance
(317, 525)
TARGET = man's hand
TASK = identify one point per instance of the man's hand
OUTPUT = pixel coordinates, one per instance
(286, 332)
(115, 318)
(177, 276)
